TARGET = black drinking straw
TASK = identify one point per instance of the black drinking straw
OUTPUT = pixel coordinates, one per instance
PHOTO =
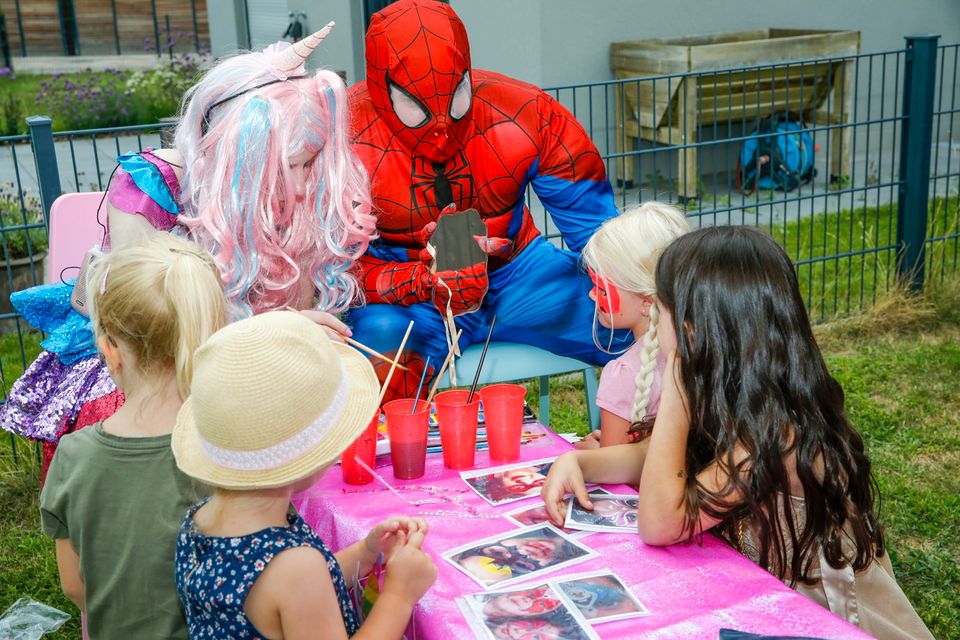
(483, 354)
(416, 396)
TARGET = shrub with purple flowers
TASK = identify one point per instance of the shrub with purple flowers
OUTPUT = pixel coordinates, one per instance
(157, 92)
(22, 229)
(87, 100)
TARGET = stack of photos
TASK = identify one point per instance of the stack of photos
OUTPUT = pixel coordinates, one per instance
(600, 596)
(616, 513)
(499, 485)
(537, 514)
(529, 612)
(517, 555)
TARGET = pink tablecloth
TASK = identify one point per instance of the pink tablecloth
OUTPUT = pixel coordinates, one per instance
(691, 590)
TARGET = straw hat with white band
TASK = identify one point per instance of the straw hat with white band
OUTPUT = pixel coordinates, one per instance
(273, 400)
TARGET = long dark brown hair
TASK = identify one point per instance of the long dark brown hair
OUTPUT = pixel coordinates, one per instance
(755, 377)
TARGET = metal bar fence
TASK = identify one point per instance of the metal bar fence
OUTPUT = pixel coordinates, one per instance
(678, 138)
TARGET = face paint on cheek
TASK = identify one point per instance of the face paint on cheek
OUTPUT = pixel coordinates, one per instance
(606, 293)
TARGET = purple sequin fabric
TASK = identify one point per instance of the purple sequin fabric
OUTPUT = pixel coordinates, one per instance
(50, 393)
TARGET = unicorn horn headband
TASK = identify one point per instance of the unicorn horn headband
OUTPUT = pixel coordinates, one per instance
(284, 62)
(297, 53)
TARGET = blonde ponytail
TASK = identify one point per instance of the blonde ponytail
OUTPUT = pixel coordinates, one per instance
(163, 298)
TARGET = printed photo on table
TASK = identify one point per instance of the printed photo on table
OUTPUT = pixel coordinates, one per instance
(610, 513)
(499, 485)
(600, 596)
(516, 555)
(537, 514)
(530, 613)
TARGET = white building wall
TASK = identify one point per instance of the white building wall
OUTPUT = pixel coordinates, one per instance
(558, 42)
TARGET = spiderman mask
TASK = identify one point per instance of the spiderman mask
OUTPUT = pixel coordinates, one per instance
(418, 76)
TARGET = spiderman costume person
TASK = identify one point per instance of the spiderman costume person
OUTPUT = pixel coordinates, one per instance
(437, 136)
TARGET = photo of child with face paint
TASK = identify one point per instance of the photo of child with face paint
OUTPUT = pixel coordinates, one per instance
(510, 483)
(610, 513)
(600, 597)
(517, 555)
(530, 613)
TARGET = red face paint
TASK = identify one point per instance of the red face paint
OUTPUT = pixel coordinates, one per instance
(608, 297)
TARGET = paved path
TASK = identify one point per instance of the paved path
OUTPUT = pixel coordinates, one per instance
(70, 64)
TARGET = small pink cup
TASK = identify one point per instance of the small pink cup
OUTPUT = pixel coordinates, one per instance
(458, 427)
(364, 448)
(407, 428)
(503, 414)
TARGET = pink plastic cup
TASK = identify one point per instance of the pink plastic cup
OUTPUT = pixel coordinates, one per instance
(458, 427)
(363, 448)
(503, 414)
(408, 436)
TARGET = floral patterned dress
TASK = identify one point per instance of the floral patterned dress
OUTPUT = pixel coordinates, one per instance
(214, 575)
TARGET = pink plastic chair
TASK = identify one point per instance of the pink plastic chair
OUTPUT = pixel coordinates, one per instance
(74, 229)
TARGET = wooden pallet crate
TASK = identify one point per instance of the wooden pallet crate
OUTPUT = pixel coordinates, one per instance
(714, 91)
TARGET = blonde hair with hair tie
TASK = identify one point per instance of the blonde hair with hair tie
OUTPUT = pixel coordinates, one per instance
(625, 250)
(162, 298)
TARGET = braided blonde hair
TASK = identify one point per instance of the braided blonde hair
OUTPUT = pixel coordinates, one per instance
(624, 250)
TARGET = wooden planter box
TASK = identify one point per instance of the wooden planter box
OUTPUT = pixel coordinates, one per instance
(669, 110)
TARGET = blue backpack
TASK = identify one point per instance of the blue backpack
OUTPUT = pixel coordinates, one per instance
(778, 154)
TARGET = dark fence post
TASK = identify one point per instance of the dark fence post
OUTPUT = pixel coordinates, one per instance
(116, 26)
(4, 42)
(156, 25)
(196, 29)
(916, 132)
(23, 40)
(45, 156)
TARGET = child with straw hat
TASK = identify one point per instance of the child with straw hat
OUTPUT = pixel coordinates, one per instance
(274, 403)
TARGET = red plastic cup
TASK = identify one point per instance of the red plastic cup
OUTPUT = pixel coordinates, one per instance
(363, 448)
(408, 436)
(458, 427)
(503, 414)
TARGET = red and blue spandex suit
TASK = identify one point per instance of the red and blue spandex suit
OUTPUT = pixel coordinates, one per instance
(438, 136)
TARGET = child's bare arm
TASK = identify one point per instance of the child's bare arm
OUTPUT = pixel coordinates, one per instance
(661, 513)
(68, 563)
(294, 598)
(613, 429)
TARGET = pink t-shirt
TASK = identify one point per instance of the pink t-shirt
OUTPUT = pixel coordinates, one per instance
(618, 383)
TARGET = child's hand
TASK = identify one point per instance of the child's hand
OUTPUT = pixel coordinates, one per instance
(410, 571)
(589, 441)
(565, 477)
(385, 537)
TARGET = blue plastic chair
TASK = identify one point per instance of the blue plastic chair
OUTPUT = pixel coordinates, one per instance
(509, 361)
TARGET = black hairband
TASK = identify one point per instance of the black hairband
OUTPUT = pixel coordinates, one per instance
(205, 122)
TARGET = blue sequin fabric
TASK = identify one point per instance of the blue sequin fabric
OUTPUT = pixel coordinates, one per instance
(64, 377)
